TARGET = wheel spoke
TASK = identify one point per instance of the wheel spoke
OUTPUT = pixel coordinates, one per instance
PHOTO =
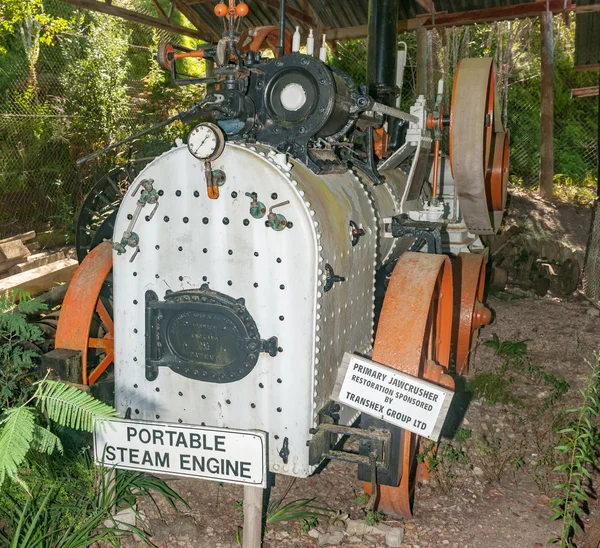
(106, 344)
(105, 317)
(102, 366)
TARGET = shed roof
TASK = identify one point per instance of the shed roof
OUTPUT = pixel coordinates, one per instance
(348, 18)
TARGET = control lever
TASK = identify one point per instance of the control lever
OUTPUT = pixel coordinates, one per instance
(276, 220)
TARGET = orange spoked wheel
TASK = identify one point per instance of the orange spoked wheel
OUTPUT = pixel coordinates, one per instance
(414, 336)
(470, 314)
(85, 322)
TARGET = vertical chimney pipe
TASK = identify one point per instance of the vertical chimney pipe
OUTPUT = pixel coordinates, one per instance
(382, 47)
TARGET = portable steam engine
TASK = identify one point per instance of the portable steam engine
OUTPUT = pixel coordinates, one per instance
(305, 217)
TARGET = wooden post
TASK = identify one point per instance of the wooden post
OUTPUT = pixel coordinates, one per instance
(421, 60)
(547, 106)
(253, 505)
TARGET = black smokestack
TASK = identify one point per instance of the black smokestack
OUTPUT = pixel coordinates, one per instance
(382, 46)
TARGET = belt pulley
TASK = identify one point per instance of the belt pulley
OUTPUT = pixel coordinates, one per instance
(478, 146)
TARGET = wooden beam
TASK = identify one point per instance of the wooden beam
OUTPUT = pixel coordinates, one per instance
(547, 106)
(445, 19)
(500, 13)
(160, 10)
(591, 8)
(195, 19)
(361, 31)
(587, 67)
(292, 12)
(134, 16)
(585, 92)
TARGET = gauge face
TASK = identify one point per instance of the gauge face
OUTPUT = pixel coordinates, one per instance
(206, 141)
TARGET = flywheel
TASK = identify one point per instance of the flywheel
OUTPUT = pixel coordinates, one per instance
(414, 336)
(470, 314)
(85, 322)
(478, 146)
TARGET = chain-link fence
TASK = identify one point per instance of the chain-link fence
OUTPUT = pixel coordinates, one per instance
(90, 83)
(96, 82)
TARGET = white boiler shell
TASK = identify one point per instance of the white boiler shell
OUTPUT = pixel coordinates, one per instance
(178, 250)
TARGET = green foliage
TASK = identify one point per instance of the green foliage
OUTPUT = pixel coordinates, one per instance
(16, 12)
(16, 360)
(373, 518)
(301, 509)
(361, 499)
(20, 430)
(579, 444)
(495, 387)
(74, 510)
(95, 82)
(490, 387)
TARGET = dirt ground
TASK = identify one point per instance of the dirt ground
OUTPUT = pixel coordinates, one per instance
(493, 478)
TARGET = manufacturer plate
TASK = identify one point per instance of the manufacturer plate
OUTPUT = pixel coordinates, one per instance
(225, 455)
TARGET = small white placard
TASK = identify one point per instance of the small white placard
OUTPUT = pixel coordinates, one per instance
(406, 401)
(225, 455)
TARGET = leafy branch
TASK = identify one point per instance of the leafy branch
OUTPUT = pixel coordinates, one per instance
(27, 427)
(581, 439)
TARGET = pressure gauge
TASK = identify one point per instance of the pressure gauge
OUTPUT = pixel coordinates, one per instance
(206, 142)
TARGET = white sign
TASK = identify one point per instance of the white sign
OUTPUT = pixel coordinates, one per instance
(406, 401)
(232, 456)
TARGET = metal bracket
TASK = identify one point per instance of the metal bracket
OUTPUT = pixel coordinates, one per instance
(327, 436)
(403, 226)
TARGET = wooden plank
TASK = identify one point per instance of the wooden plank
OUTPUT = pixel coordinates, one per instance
(134, 16)
(23, 237)
(39, 259)
(292, 12)
(7, 265)
(40, 279)
(585, 92)
(15, 249)
(547, 106)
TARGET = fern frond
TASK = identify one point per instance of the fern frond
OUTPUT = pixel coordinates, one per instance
(45, 441)
(15, 440)
(71, 407)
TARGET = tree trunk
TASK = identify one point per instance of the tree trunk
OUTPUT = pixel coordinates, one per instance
(547, 107)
